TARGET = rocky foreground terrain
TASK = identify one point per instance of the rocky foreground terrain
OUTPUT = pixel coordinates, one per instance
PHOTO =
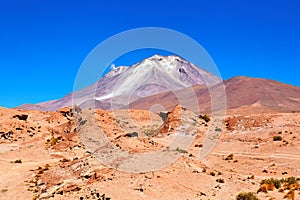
(43, 156)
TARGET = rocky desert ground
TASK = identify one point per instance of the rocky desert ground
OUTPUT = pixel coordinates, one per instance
(43, 156)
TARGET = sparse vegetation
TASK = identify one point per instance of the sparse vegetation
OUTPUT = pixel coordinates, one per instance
(64, 160)
(212, 173)
(290, 180)
(180, 150)
(246, 196)
(286, 142)
(251, 177)
(148, 133)
(277, 182)
(41, 170)
(205, 118)
(218, 129)
(53, 141)
(220, 180)
(277, 138)
(229, 157)
(17, 161)
(199, 145)
(283, 184)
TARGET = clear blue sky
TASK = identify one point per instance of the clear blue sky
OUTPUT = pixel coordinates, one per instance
(43, 43)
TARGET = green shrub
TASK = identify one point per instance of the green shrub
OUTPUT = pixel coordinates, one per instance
(246, 196)
(277, 183)
(290, 180)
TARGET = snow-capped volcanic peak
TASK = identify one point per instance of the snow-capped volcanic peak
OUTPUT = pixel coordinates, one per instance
(178, 68)
(167, 58)
(165, 62)
(151, 76)
(123, 85)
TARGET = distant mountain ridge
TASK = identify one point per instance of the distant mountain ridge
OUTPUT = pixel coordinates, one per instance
(124, 85)
(242, 93)
(155, 80)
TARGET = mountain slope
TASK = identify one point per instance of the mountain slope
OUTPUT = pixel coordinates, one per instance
(248, 94)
